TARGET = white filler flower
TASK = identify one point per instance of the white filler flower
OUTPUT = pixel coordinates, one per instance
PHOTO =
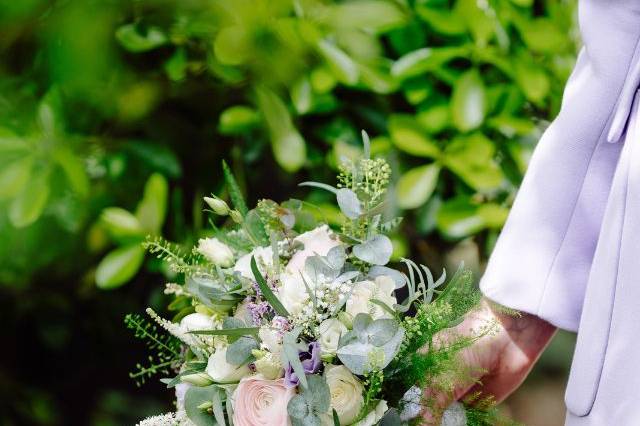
(216, 252)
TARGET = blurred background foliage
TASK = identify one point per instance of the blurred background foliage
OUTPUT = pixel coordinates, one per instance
(115, 116)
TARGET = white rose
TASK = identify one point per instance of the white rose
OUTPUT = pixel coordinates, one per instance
(263, 255)
(293, 293)
(271, 339)
(346, 393)
(364, 291)
(330, 331)
(196, 322)
(318, 241)
(374, 415)
(221, 371)
(216, 252)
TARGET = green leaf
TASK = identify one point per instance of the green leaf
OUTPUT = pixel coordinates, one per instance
(409, 136)
(443, 21)
(14, 177)
(378, 16)
(468, 103)
(289, 148)
(176, 66)
(152, 209)
(532, 80)
(336, 419)
(28, 206)
(267, 293)
(232, 45)
(119, 266)
(50, 113)
(342, 66)
(237, 199)
(471, 158)
(416, 186)
(74, 170)
(194, 397)
(254, 226)
(459, 218)
(121, 224)
(231, 332)
(480, 21)
(542, 35)
(156, 156)
(435, 119)
(136, 40)
(238, 119)
(10, 142)
(494, 215)
(426, 59)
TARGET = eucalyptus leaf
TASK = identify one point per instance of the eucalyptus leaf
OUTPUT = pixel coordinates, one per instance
(349, 203)
(239, 352)
(376, 250)
(194, 397)
(397, 276)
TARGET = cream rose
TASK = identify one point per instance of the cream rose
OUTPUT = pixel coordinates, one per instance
(258, 402)
(318, 241)
(346, 393)
(216, 252)
(263, 255)
(329, 332)
(364, 291)
(196, 321)
(221, 371)
(292, 292)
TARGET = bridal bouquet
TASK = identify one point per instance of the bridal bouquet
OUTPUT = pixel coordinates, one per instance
(282, 320)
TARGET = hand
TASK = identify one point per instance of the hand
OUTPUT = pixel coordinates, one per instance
(502, 359)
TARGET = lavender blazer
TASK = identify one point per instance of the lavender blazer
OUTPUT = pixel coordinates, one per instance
(570, 251)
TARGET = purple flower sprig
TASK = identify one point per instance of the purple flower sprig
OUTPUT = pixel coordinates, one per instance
(311, 364)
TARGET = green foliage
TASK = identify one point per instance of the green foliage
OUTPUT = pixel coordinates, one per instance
(164, 348)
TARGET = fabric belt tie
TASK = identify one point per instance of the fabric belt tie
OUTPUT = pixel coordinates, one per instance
(623, 107)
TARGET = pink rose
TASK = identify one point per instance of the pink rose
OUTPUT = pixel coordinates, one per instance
(258, 402)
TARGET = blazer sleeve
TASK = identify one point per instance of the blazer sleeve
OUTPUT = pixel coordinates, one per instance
(542, 260)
